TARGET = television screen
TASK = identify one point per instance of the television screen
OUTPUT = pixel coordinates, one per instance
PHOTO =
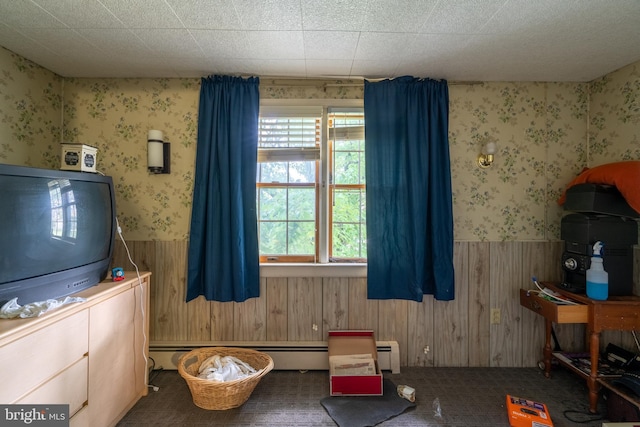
(56, 232)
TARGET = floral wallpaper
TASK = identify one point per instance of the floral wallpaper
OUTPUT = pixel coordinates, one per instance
(539, 129)
(115, 116)
(614, 126)
(30, 112)
(546, 133)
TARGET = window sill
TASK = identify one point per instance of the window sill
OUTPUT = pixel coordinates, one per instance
(313, 270)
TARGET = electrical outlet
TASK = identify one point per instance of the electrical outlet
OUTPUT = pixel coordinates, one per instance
(495, 316)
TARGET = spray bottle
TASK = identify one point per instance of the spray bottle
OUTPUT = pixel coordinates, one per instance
(597, 278)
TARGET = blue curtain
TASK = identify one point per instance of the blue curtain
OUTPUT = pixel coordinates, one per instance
(409, 202)
(223, 263)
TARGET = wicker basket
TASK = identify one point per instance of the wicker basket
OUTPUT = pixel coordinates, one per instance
(208, 394)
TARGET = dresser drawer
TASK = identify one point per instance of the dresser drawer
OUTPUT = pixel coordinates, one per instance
(82, 418)
(43, 354)
(557, 313)
(68, 388)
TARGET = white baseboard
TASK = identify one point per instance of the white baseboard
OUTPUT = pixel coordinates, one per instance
(301, 355)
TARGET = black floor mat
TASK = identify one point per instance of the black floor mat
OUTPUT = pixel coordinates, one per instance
(366, 411)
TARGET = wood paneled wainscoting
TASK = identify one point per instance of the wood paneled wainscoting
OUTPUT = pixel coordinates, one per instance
(430, 333)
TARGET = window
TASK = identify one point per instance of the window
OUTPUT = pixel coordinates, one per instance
(347, 202)
(310, 184)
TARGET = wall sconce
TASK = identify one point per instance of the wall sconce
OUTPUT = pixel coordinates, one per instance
(486, 158)
(158, 153)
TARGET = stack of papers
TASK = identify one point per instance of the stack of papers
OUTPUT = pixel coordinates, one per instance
(352, 364)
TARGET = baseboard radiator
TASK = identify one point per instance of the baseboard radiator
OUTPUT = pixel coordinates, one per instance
(300, 355)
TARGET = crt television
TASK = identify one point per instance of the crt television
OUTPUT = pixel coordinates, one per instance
(57, 232)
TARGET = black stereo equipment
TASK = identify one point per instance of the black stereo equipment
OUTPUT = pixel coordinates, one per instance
(580, 232)
(621, 358)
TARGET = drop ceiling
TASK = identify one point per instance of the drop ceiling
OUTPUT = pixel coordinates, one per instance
(458, 40)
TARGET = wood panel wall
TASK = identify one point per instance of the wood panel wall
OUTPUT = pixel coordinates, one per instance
(457, 333)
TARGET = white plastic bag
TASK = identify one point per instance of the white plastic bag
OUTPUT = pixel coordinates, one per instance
(224, 368)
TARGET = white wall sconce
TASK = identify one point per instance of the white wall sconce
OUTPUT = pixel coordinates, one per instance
(158, 153)
(485, 159)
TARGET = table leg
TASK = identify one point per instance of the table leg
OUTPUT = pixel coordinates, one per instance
(547, 347)
(592, 381)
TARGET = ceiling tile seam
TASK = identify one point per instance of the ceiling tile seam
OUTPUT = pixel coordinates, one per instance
(49, 13)
(75, 30)
(365, 16)
(238, 16)
(304, 52)
(430, 14)
(98, 48)
(17, 30)
(355, 52)
(486, 23)
(301, 15)
(112, 14)
(175, 14)
(303, 31)
(196, 42)
(184, 27)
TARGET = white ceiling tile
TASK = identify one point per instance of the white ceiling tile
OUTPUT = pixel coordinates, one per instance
(116, 65)
(333, 15)
(143, 13)
(220, 44)
(251, 44)
(81, 13)
(284, 67)
(275, 44)
(523, 16)
(16, 42)
(282, 15)
(118, 42)
(234, 67)
(425, 69)
(461, 17)
(430, 46)
(196, 67)
(386, 16)
(206, 14)
(374, 69)
(25, 14)
(382, 46)
(520, 55)
(334, 68)
(169, 43)
(514, 40)
(330, 44)
(268, 67)
(61, 41)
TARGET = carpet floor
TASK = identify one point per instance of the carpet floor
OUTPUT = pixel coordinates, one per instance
(469, 397)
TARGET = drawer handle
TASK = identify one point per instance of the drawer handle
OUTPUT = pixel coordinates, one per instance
(536, 305)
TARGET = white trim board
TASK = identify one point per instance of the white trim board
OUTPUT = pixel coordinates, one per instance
(299, 355)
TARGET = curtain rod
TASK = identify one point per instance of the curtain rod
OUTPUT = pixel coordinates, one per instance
(353, 82)
(452, 83)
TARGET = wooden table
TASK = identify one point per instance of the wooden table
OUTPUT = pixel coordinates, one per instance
(616, 313)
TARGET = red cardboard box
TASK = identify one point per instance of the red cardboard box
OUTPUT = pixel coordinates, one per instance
(527, 413)
(353, 364)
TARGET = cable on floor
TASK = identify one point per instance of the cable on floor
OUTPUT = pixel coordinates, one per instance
(153, 373)
(588, 420)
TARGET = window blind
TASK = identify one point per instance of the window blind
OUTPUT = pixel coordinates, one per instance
(289, 133)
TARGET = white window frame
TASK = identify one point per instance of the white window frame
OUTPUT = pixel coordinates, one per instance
(320, 267)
